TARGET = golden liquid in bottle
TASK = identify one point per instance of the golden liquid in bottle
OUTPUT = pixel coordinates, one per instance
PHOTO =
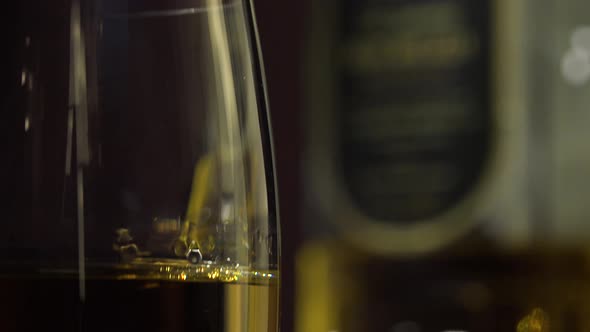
(527, 291)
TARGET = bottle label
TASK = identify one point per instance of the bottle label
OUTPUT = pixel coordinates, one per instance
(413, 119)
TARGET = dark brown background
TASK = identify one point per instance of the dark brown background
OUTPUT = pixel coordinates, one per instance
(281, 28)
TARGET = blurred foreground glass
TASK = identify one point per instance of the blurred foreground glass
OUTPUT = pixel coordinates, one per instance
(146, 201)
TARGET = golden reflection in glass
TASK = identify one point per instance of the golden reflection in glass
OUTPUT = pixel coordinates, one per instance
(536, 321)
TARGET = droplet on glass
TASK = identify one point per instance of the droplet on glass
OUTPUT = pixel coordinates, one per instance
(23, 77)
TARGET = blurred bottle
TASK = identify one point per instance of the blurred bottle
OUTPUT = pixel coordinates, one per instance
(446, 167)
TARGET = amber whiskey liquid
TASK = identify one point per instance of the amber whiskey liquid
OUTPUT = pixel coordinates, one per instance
(124, 303)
